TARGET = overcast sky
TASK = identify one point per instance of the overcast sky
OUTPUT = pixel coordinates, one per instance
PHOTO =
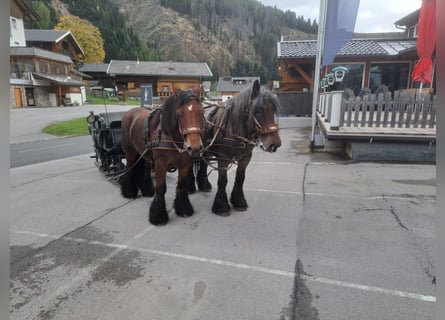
(373, 15)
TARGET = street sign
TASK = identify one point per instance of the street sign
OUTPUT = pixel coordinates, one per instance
(146, 95)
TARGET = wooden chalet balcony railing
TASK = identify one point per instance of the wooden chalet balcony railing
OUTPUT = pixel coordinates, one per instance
(404, 111)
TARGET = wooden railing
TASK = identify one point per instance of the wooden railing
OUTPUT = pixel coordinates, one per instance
(404, 110)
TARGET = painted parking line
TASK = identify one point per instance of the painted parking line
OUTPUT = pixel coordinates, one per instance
(428, 198)
(397, 293)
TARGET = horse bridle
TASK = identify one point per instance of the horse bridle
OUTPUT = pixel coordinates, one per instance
(191, 129)
(263, 130)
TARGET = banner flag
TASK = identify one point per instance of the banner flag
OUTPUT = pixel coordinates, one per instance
(341, 16)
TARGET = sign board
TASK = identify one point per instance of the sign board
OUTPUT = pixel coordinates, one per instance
(146, 95)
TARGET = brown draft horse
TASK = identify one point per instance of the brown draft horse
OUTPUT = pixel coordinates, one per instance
(163, 139)
(232, 131)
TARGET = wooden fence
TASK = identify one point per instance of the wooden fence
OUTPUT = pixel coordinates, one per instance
(404, 110)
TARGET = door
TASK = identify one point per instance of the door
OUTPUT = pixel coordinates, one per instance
(30, 97)
(18, 97)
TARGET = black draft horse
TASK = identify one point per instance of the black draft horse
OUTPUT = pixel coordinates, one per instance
(232, 131)
(162, 139)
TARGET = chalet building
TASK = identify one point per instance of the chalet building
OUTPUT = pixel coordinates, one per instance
(41, 78)
(59, 41)
(372, 60)
(42, 70)
(397, 125)
(229, 87)
(45, 75)
(127, 76)
(98, 78)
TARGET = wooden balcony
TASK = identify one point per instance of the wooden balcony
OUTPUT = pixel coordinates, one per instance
(405, 116)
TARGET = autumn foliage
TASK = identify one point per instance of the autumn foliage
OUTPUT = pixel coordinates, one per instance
(87, 35)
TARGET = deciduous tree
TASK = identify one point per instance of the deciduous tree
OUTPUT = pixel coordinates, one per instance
(87, 35)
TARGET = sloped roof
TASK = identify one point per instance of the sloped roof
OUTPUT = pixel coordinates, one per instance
(94, 67)
(58, 79)
(409, 19)
(159, 68)
(234, 84)
(37, 52)
(53, 36)
(356, 47)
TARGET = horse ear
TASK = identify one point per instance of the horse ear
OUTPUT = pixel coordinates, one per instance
(255, 89)
(175, 89)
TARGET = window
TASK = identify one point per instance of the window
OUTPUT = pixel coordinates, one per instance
(353, 78)
(29, 65)
(239, 81)
(164, 88)
(42, 66)
(60, 69)
(394, 75)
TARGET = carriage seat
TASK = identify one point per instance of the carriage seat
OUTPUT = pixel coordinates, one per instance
(110, 117)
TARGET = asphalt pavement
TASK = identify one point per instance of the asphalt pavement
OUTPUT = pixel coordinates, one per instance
(26, 124)
(323, 238)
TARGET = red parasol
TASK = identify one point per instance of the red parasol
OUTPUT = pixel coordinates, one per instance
(426, 42)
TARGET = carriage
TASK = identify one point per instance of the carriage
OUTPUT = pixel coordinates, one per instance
(105, 129)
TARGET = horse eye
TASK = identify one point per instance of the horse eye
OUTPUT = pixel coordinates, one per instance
(258, 111)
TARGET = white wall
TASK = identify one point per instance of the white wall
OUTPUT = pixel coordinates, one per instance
(17, 33)
(76, 98)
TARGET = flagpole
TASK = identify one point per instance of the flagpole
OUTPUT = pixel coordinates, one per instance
(320, 43)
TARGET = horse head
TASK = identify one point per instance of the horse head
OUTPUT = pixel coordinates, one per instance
(262, 117)
(190, 117)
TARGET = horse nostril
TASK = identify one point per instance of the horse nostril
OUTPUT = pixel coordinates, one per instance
(272, 148)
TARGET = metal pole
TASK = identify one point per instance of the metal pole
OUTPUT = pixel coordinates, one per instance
(320, 43)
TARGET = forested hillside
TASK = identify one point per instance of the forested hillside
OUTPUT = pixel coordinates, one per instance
(234, 37)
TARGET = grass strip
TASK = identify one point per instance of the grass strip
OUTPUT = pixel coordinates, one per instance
(73, 127)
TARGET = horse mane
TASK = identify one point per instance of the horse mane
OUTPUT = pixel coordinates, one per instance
(241, 109)
(169, 123)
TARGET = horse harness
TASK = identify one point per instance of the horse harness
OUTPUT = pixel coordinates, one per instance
(158, 144)
(165, 144)
(237, 141)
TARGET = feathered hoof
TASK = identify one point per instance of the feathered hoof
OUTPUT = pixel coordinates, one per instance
(129, 194)
(205, 187)
(223, 214)
(240, 208)
(158, 215)
(223, 211)
(184, 211)
(158, 219)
